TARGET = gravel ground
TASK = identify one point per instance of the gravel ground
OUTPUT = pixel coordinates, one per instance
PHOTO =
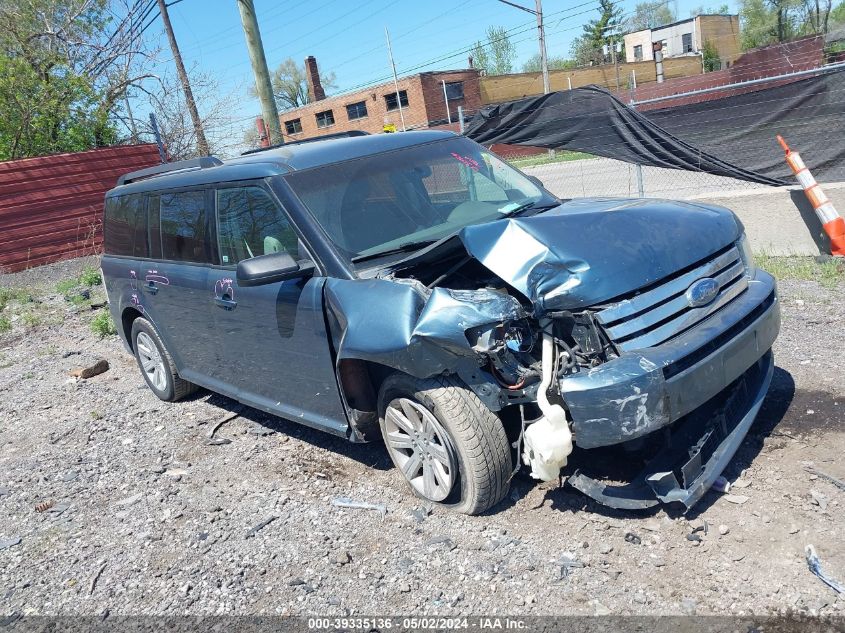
(151, 519)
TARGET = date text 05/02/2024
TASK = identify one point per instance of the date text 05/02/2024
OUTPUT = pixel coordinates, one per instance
(418, 623)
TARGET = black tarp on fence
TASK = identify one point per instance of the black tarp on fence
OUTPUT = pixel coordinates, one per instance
(733, 136)
(809, 114)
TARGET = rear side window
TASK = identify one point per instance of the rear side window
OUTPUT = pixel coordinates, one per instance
(250, 223)
(183, 226)
(125, 226)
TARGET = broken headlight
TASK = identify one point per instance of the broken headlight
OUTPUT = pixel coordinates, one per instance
(517, 336)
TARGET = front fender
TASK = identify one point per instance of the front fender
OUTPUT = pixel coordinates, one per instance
(405, 326)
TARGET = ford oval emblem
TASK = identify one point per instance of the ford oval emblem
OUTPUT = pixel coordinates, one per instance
(702, 292)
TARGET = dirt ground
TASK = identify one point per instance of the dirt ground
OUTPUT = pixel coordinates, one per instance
(149, 518)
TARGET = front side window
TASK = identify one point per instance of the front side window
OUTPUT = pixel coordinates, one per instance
(416, 194)
(125, 226)
(392, 103)
(183, 226)
(325, 119)
(250, 223)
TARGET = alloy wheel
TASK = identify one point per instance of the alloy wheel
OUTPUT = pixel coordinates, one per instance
(151, 361)
(420, 447)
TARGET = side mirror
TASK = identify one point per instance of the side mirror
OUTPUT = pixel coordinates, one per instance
(268, 269)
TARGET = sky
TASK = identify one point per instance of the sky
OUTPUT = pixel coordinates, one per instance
(347, 37)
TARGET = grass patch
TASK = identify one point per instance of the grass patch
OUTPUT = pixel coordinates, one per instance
(830, 273)
(30, 319)
(90, 277)
(87, 278)
(5, 324)
(66, 285)
(14, 295)
(561, 156)
(102, 325)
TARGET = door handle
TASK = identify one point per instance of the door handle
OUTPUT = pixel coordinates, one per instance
(226, 302)
(151, 287)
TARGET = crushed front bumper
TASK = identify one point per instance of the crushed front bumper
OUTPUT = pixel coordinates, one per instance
(642, 391)
(701, 446)
(708, 384)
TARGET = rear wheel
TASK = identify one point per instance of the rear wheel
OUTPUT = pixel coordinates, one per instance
(156, 364)
(450, 448)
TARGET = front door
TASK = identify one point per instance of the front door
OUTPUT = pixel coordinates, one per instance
(273, 344)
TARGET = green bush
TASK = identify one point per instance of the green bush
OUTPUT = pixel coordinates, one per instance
(102, 325)
(5, 324)
(90, 277)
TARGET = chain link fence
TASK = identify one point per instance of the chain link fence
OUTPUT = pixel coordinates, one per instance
(575, 175)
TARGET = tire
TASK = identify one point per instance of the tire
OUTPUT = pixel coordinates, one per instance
(156, 363)
(472, 436)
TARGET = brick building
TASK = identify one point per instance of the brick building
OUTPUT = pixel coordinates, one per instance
(422, 99)
(688, 37)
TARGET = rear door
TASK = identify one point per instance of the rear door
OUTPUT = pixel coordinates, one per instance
(272, 338)
(173, 284)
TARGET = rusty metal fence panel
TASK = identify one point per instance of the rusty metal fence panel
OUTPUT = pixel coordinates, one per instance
(51, 207)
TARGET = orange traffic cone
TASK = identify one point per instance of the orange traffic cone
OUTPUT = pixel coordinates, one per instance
(832, 222)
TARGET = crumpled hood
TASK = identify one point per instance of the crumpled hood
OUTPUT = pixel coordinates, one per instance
(589, 250)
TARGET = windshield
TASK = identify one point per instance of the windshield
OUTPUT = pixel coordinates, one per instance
(412, 196)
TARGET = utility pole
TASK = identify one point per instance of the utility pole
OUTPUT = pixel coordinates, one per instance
(263, 86)
(541, 36)
(395, 80)
(202, 143)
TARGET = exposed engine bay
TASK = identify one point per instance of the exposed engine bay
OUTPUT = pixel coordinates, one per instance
(526, 356)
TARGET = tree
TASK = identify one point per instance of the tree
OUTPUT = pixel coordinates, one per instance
(584, 53)
(64, 67)
(290, 84)
(710, 57)
(496, 55)
(650, 15)
(837, 15)
(605, 30)
(610, 21)
(534, 65)
(722, 9)
(768, 21)
(816, 16)
(177, 130)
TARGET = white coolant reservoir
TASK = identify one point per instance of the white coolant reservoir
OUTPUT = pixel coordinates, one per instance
(548, 441)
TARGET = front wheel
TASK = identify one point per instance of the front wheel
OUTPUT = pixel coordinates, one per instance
(451, 449)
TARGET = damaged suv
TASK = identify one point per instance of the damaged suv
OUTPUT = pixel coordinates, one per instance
(417, 288)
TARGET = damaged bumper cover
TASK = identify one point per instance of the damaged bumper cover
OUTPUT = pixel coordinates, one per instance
(702, 446)
(708, 384)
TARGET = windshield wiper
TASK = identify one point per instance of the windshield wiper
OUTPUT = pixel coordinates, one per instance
(526, 206)
(402, 248)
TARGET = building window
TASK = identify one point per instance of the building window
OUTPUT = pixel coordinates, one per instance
(686, 42)
(325, 119)
(293, 127)
(392, 104)
(638, 53)
(454, 90)
(356, 110)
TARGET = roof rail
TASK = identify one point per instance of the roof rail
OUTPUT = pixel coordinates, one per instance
(324, 137)
(194, 163)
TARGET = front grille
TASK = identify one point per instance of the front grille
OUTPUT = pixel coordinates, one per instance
(662, 312)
